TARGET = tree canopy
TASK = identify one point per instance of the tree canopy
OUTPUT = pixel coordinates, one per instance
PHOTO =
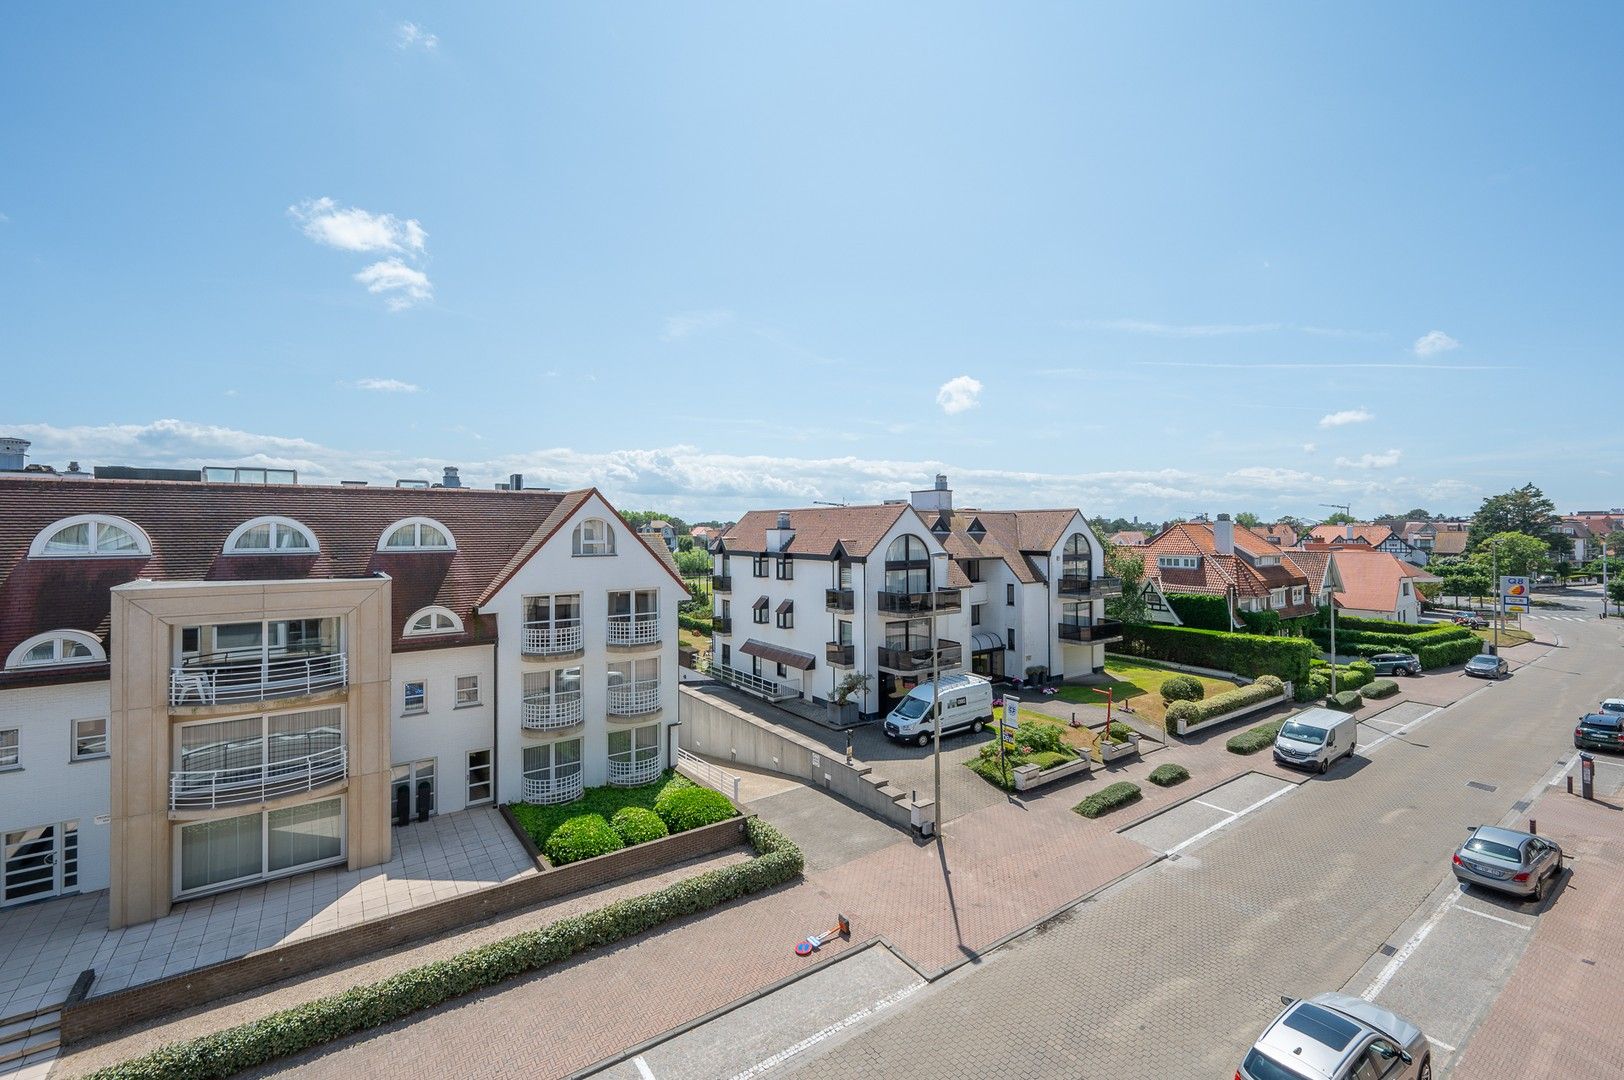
(1513, 553)
(1247, 519)
(1339, 518)
(1523, 510)
(1127, 564)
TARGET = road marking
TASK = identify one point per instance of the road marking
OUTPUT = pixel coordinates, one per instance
(1399, 958)
(642, 1068)
(1428, 715)
(1234, 815)
(1440, 1044)
(817, 1037)
(1496, 918)
(1213, 806)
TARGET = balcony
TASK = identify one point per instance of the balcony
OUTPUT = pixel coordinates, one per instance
(836, 655)
(555, 789)
(255, 675)
(839, 600)
(624, 772)
(208, 789)
(634, 698)
(942, 601)
(634, 630)
(912, 661)
(550, 712)
(1094, 588)
(722, 624)
(551, 639)
(1091, 634)
(721, 583)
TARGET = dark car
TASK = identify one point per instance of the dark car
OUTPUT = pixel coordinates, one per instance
(1471, 621)
(1484, 666)
(1600, 731)
(1396, 663)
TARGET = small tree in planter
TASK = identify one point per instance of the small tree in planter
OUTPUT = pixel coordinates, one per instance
(842, 709)
(1036, 674)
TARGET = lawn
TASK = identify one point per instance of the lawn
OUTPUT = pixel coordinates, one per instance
(1138, 682)
(693, 639)
(1508, 636)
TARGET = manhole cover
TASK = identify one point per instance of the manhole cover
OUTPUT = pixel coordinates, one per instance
(1481, 786)
(1520, 805)
(1387, 950)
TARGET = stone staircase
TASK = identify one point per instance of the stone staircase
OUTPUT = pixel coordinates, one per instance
(29, 1039)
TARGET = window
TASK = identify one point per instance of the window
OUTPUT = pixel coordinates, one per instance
(433, 620)
(57, 647)
(1009, 595)
(758, 611)
(415, 698)
(1297, 594)
(972, 569)
(229, 475)
(1077, 559)
(1178, 562)
(88, 536)
(975, 614)
(552, 772)
(843, 633)
(758, 566)
(1009, 636)
(416, 534)
(467, 691)
(271, 536)
(635, 754)
(1277, 598)
(786, 615)
(9, 753)
(781, 672)
(907, 566)
(89, 739)
(593, 537)
(1404, 588)
(479, 776)
(229, 851)
(786, 568)
(1153, 600)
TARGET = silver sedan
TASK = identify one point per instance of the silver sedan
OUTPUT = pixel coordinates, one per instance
(1518, 863)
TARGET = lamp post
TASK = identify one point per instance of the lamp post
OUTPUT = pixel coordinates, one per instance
(936, 559)
(1499, 597)
(1606, 553)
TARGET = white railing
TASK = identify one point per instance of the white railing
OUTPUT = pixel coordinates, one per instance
(708, 773)
(208, 789)
(625, 772)
(548, 712)
(224, 677)
(749, 683)
(556, 789)
(634, 629)
(634, 698)
(550, 639)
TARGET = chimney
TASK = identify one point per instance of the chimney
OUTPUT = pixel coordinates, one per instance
(451, 479)
(1347, 532)
(516, 482)
(778, 538)
(12, 453)
(1223, 535)
(935, 499)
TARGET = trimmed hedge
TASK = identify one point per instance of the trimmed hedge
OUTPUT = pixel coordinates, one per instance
(1196, 712)
(1367, 643)
(637, 825)
(1453, 652)
(1374, 626)
(290, 1031)
(1380, 688)
(582, 837)
(690, 808)
(1188, 711)
(1252, 740)
(1313, 688)
(1199, 611)
(1245, 654)
(539, 820)
(1168, 775)
(1108, 798)
(696, 623)
(1346, 700)
(1183, 688)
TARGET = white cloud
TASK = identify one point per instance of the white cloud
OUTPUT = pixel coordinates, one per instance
(1345, 417)
(403, 284)
(1434, 342)
(409, 35)
(386, 386)
(1384, 460)
(349, 228)
(1309, 448)
(678, 327)
(959, 394)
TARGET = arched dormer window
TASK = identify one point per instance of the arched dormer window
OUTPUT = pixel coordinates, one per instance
(907, 565)
(416, 534)
(593, 537)
(271, 536)
(432, 620)
(57, 648)
(1077, 560)
(91, 535)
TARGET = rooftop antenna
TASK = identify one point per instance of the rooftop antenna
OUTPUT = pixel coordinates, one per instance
(820, 502)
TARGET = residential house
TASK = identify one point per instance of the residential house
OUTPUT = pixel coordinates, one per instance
(1279, 534)
(661, 530)
(1373, 537)
(1127, 538)
(1217, 559)
(703, 535)
(1449, 539)
(1376, 584)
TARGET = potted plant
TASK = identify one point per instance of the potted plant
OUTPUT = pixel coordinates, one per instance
(1036, 674)
(842, 709)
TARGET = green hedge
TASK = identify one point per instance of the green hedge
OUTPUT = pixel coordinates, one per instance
(1183, 688)
(1245, 654)
(1196, 712)
(582, 837)
(1199, 611)
(693, 807)
(696, 623)
(1346, 700)
(1168, 775)
(1313, 688)
(313, 1023)
(1108, 798)
(637, 825)
(540, 820)
(1452, 652)
(1386, 642)
(1252, 740)
(1380, 688)
(1374, 626)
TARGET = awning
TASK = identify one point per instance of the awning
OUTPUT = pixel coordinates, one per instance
(981, 641)
(777, 654)
(785, 607)
(759, 604)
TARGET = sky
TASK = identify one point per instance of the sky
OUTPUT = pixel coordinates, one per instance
(1147, 260)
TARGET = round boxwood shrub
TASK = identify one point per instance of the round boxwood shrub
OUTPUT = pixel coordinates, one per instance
(1183, 688)
(692, 807)
(1168, 775)
(1380, 688)
(1272, 683)
(637, 825)
(1188, 711)
(582, 838)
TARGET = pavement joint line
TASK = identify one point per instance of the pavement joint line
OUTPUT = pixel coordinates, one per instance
(1399, 959)
(642, 1068)
(816, 1037)
(1233, 817)
(1496, 918)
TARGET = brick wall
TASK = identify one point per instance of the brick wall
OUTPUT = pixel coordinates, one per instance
(210, 984)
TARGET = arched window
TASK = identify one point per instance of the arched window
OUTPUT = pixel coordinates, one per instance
(907, 566)
(90, 535)
(416, 534)
(1077, 561)
(433, 620)
(594, 537)
(271, 536)
(57, 647)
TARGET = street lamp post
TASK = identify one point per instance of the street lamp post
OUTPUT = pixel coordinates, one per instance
(1606, 553)
(936, 688)
(1499, 593)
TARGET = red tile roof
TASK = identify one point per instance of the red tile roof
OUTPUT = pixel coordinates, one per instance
(1127, 538)
(1373, 535)
(1216, 573)
(1370, 579)
(858, 529)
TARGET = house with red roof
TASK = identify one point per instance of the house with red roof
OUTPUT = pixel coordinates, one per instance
(1217, 559)
(1374, 584)
(1371, 537)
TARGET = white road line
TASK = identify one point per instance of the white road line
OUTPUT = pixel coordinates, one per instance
(1234, 815)
(1399, 958)
(1379, 720)
(1440, 1044)
(1213, 806)
(1428, 715)
(1496, 918)
(642, 1068)
(812, 1040)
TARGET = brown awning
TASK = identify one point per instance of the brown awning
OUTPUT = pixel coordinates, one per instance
(759, 604)
(787, 605)
(777, 654)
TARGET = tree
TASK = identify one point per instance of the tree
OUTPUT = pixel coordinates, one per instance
(1295, 524)
(1615, 592)
(1563, 569)
(1512, 553)
(1248, 520)
(1524, 510)
(1127, 564)
(1462, 577)
(685, 542)
(1339, 518)
(693, 562)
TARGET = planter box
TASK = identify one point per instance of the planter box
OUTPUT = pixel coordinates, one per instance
(1248, 710)
(1110, 751)
(1028, 777)
(842, 715)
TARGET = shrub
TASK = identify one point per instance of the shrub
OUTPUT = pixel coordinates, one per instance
(1048, 759)
(1252, 740)
(1272, 683)
(1041, 737)
(539, 821)
(637, 825)
(694, 807)
(1188, 711)
(1183, 688)
(1352, 678)
(1107, 799)
(1119, 733)
(1380, 688)
(1246, 654)
(1201, 611)
(1363, 665)
(697, 623)
(582, 838)
(1312, 688)
(1196, 712)
(1451, 652)
(1346, 700)
(1168, 775)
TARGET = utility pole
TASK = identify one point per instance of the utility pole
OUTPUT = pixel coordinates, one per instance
(1499, 593)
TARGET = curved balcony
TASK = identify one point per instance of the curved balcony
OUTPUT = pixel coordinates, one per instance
(209, 789)
(550, 712)
(551, 639)
(634, 630)
(634, 698)
(624, 772)
(908, 661)
(554, 789)
(254, 675)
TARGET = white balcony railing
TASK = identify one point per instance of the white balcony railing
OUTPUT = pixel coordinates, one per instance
(217, 678)
(626, 772)
(634, 698)
(753, 684)
(554, 789)
(551, 639)
(208, 789)
(634, 629)
(549, 712)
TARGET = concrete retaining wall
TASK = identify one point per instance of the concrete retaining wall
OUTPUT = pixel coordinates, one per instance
(1269, 703)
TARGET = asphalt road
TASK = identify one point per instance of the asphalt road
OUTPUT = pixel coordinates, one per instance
(1173, 972)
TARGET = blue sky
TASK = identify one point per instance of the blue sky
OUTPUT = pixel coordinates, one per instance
(1154, 260)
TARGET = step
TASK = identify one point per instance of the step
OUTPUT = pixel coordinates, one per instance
(7, 1021)
(39, 1059)
(44, 1020)
(35, 1044)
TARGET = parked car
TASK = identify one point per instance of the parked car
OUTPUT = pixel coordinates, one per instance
(1396, 663)
(1315, 739)
(966, 703)
(1613, 705)
(1337, 1037)
(1471, 621)
(1600, 731)
(1484, 666)
(1508, 861)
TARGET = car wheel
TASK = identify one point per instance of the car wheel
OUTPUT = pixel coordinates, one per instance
(1539, 890)
(975, 728)
(1426, 1070)
(1324, 767)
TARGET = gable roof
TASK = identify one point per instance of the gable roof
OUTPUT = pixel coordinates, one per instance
(1449, 542)
(1373, 535)
(859, 529)
(1278, 535)
(1127, 538)
(1370, 579)
(1216, 574)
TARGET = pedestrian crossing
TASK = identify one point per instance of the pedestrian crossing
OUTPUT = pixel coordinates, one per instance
(1556, 618)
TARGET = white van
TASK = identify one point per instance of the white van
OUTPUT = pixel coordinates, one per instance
(966, 702)
(1315, 738)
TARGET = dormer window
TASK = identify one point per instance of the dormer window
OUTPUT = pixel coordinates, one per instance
(90, 536)
(57, 648)
(416, 534)
(593, 537)
(977, 530)
(271, 536)
(1178, 562)
(433, 620)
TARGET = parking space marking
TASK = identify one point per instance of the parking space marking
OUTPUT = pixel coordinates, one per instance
(1211, 806)
(1234, 815)
(642, 1068)
(1440, 1044)
(1496, 918)
(1418, 721)
(1399, 959)
(833, 1029)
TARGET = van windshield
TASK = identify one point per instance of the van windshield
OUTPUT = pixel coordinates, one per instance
(912, 708)
(1303, 733)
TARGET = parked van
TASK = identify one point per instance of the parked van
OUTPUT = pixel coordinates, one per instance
(966, 702)
(1315, 738)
